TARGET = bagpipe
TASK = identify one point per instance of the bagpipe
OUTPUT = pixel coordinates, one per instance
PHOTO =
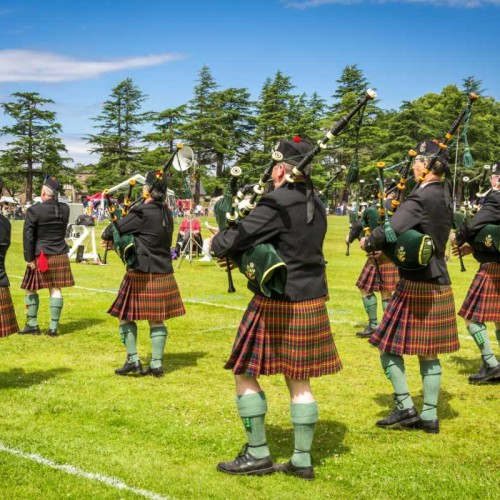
(469, 208)
(261, 264)
(124, 244)
(488, 238)
(413, 250)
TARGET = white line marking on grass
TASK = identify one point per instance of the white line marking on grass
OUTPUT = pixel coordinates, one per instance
(188, 301)
(332, 313)
(75, 471)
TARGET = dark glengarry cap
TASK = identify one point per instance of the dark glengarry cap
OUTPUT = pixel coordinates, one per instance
(157, 181)
(292, 151)
(495, 168)
(430, 149)
(52, 183)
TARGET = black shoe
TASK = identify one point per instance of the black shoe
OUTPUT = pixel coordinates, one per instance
(292, 470)
(399, 417)
(429, 426)
(485, 374)
(30, 330)
(134, 367)
(51, 333)
(367, 332)
(245, 464)
(155, 372)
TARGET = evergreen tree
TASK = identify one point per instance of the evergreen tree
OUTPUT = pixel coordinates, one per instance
(35, 140)
(276, 112)
(119, 138)
(219, 128)
(168, 127)
(470, 84)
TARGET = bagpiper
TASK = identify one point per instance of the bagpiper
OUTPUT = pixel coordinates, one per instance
(287, 333)
(481, 303)
(8, 322)
(46, 252)
(420, 318)
(148, 290)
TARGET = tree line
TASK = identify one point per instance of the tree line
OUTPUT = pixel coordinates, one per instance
(226, 127)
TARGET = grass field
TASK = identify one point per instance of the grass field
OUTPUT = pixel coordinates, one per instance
(61, 400)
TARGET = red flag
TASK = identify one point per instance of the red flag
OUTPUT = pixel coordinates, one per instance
(43, 265)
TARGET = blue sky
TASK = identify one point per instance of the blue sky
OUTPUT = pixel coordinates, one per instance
(75, 52)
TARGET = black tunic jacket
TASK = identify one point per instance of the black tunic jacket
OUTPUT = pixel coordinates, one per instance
(44, 230)
(428, 211)
(489, 214)
(152, 240)
(280, 218)
(4, 245)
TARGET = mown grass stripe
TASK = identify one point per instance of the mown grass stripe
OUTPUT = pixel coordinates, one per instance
(75, 471)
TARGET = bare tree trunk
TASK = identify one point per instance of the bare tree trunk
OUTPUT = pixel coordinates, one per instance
(29, 182)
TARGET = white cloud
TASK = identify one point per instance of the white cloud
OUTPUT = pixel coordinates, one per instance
(307, 4)
(78, 149)
(19, 65)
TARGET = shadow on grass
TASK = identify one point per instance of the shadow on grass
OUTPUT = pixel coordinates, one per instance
(18, 378)
(173, 361)
(77, 325)
(467, 366)
(445, 410)
(328, 440)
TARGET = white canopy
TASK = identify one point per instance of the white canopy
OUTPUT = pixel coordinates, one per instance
(9, 199)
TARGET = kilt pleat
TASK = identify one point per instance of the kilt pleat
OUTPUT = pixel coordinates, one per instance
(292, 338)
(8, 322)
(481, 303)
(419, 319)
(369, 280)
(57, 276)
(150, 296)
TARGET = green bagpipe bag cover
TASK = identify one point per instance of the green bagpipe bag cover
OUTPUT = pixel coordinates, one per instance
(458, 219)
(370, 218)
(411, 251)
(264, 268)
(488, 239)
(124, 245)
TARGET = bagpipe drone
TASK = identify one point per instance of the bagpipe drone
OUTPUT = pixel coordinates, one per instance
(413, 250)
(261, 264)
(124, 244)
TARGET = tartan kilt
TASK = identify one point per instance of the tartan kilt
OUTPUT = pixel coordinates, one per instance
(419, 319)
(57, 276)
(151, 296)
(8, 322)
(369, 281)
(481, 303)
(292, 338)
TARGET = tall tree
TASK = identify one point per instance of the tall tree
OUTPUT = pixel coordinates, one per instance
(120, 138)
(353, 148)
(472, 84)
(167, 125)
(35, 140)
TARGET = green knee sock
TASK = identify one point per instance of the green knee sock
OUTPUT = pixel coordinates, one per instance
(384, 304)
(56, 306)
(31, 302)
(304, 418)
(497, 333)
(128, 333)
(394, 368)
(158, 336)
(370, 304)
(480, 335)
(431, 378)
(252, 409)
